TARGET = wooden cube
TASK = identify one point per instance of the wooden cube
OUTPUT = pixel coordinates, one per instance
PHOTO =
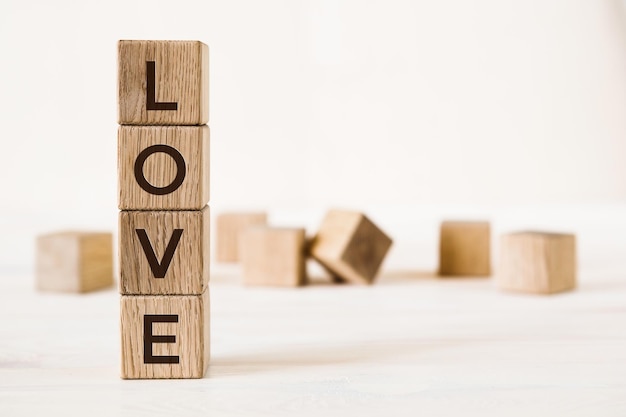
(74, 261)
(165, 336)
(537, 262)
(163, 167)
(164, 252)
(350, 246)
(163, 82)
(229, 227)
(465, 248)
(273, 256)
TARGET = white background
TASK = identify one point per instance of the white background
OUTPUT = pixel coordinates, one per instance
(412, 111)
(407, 110)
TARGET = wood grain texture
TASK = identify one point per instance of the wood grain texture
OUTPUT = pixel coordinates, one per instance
(192, 343)
(537, 262)
(228, 227)
(181, 76)
(188, 272)
(273, 256)
(74, 261)
(465, 248)
(350, 246)
(160, 169)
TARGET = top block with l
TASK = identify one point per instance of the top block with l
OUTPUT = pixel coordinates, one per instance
(163, 83)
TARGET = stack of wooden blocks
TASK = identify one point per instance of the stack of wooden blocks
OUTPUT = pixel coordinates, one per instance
(163, 170)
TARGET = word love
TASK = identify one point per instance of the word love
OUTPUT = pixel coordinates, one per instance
(163, 183)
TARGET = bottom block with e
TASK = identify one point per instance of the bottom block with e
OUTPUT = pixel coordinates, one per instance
(165, 336)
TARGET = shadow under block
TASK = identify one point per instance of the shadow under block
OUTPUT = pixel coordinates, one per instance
(165, 336)
(163, 167)
(163, 82)
(537, 262)
(74, 261)
(164, 252)
(229, 226)
(350, 246)
(465, 248)
(273, 256)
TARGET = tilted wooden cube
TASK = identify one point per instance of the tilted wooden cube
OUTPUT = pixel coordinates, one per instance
(537, 262)
(228, 228)
(163, 82)
(163, 167)
(350, 246)
(273, 256)
(165, 336)
(465, 248)
(74, 261)
(164, 252)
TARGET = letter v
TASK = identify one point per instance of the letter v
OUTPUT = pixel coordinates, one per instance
(159, 269)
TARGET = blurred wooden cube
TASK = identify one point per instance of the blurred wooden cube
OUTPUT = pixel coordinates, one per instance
(165, 336)
(350, 246)
(74, 261)
(465, 248)
(273, 256)
(537, 262)
(229, 227)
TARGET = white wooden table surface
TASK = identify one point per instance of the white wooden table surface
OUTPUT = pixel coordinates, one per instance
(410, 345)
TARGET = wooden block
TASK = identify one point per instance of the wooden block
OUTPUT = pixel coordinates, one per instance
(164, 168)
(537, 262)
(350, 246)
(163, 83)
(229, 226)
(74, 261)
(465, 248)
(165, 336)
(164, 252)
(273, 256)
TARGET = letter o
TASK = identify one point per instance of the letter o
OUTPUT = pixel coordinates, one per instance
(180, 169)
